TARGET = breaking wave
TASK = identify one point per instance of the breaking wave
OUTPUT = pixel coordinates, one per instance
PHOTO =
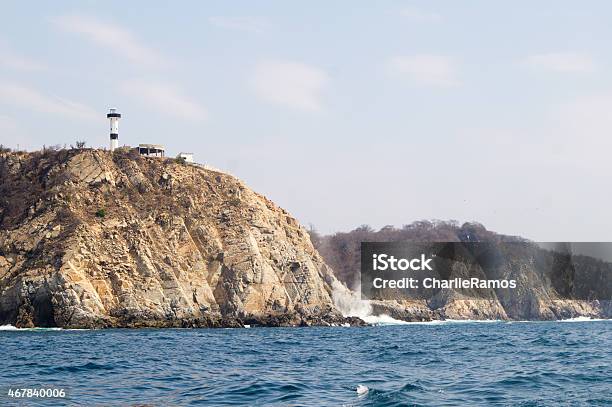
(12, 328)
(351, 305)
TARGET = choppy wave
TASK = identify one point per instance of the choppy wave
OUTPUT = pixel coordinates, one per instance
(456, 363)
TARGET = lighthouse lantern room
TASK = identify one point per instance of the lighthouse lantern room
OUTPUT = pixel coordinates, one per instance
(114, 117)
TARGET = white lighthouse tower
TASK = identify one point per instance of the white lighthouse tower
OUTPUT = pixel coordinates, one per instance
(114, 117)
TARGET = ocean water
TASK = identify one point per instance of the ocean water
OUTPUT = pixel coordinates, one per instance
(439, 364)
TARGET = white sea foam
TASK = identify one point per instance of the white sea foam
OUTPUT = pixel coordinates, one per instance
(575, 319)
(472, 321)
(383, 320)
(361, 389)
(12, 328)
(349, 303)
(582, 319)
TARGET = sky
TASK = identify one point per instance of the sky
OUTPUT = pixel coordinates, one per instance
(344, 113)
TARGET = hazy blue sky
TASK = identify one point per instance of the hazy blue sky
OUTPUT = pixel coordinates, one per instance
(343, 112)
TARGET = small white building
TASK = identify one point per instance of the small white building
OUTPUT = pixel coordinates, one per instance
(188, 157)
(152, 150)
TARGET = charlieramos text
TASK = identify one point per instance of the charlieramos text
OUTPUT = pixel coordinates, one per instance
(432, 282)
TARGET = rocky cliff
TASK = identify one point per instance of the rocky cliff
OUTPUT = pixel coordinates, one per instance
(90, 238)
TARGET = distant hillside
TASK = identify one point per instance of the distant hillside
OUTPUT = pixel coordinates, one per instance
(551, 285)
(341, 250)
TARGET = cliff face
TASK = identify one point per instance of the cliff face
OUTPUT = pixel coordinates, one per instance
(90, 238)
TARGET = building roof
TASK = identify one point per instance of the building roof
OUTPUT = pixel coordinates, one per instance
(154, 146)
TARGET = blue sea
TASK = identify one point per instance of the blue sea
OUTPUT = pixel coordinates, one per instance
(437, 364)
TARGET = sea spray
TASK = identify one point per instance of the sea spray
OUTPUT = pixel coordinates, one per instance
(351, 305)
(349, 302)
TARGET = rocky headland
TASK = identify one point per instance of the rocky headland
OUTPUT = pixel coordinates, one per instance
(93, 239)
